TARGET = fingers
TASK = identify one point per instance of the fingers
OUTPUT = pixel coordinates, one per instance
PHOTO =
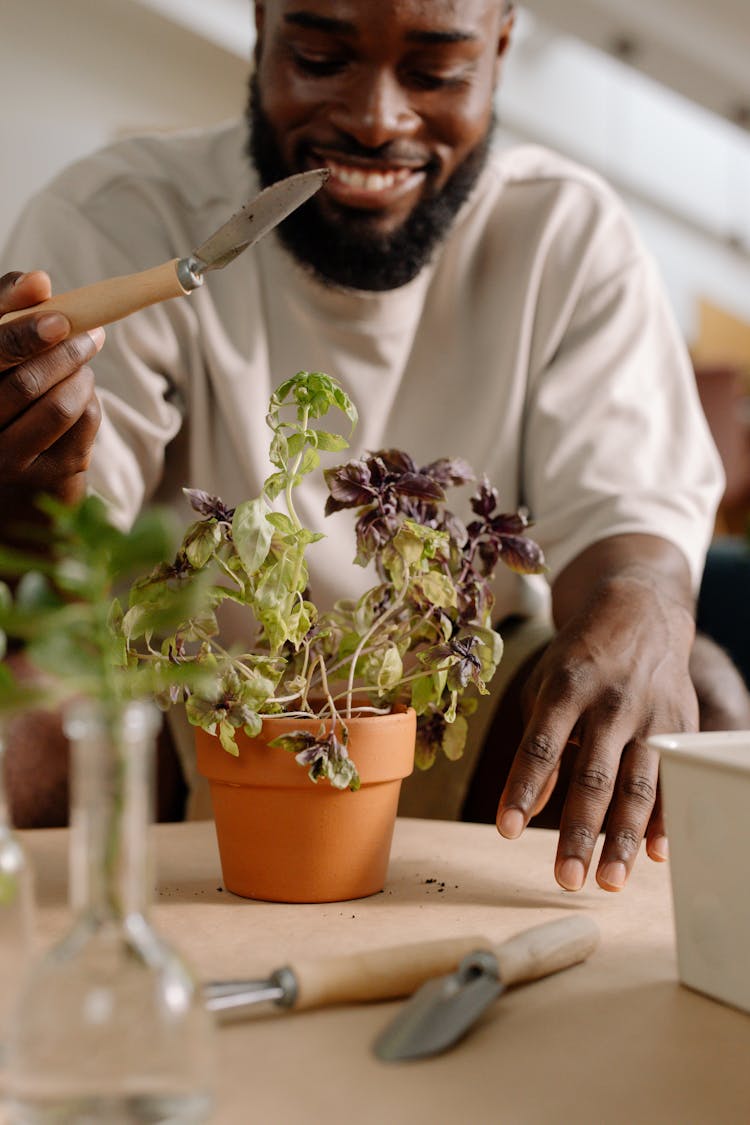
(613, 783)
(657, 844)
(49, 413)
(68, 459)
(591, 787)
(614, 779)
(27, 383)
(21, 290)
(25, 337)
(546, 792)
(627, 796)
(530, 780)
(629, 815)
(555, 712)
(68, 411)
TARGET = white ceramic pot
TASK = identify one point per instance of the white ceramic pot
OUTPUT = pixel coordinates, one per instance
(705, 782)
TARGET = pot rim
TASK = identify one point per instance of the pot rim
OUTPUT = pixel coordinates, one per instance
(382, 750)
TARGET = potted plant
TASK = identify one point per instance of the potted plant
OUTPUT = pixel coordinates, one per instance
(330, 691)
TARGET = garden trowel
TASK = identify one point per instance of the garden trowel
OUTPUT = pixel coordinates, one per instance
(117, 297)
(397, 971)
(444, 1009)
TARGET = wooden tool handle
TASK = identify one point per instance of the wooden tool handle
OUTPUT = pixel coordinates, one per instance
(110, 300)
(546, 949)
(381, 974)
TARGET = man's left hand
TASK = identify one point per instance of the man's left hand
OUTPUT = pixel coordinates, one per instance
(616, 673)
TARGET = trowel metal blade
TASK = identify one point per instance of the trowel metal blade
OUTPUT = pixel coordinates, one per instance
(258, 217)
(441, 1011)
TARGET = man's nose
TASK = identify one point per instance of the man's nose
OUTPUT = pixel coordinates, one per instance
(375, 110)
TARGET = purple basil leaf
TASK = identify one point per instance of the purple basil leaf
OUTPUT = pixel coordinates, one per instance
(208, 505)
(332, 506)
(488, 553)
(449, 471)
(419, 486)
(373, 531)
(510, 523)
(484, 500)
(394, 461)
(521, 555)
(349, 485)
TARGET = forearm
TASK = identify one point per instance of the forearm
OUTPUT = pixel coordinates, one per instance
(642, 559)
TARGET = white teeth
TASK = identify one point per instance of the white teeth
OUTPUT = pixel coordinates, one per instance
(367, 181)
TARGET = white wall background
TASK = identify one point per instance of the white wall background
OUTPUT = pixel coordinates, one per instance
(76, 74)
(684, 171)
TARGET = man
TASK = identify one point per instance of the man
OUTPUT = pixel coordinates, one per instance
(494, 306)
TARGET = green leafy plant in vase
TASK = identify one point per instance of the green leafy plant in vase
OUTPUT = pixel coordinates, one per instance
(413, 642)
(152, 1054)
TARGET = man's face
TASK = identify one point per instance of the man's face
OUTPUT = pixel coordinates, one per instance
(395, 98)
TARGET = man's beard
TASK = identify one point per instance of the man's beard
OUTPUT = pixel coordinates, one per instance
(344, 249)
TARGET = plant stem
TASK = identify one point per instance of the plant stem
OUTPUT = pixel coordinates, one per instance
(377, 624)
(329, 697)
(291, 475)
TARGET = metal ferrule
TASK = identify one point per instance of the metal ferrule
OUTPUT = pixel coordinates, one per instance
(190, 273)
(285, 979)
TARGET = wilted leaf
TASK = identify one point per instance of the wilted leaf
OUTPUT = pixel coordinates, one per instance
(454, 738)
(252, 534)
(201, 543)
(391, 669)
(438, 589)
(423, 693)
(409, 545)
(425, 752)
(228, 739)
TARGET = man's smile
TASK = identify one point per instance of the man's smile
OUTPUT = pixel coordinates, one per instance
(368, 184)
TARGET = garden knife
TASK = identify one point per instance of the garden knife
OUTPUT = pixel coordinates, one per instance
(444, 1009)
(106, 301)
(383, 974)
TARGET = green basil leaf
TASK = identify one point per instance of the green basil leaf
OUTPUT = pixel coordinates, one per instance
(252, 534)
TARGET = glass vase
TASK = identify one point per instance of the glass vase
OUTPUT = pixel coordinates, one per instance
(16, 911)
(111, 1027)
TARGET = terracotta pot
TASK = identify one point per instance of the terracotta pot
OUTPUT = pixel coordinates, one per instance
(283, 838)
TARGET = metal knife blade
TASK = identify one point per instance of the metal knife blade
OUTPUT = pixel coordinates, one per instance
(443, 1010)
(258, 217)
(118, 297)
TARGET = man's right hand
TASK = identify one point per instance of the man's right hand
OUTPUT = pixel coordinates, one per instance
(49, 412)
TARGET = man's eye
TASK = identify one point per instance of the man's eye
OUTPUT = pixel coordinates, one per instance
(318, 65)
(424, 80)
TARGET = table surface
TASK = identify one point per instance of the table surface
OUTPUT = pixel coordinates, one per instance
(615, 1040)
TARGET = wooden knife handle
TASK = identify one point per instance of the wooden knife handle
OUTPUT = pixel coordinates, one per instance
(380, 974)
(110, 300)
(546, 948)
